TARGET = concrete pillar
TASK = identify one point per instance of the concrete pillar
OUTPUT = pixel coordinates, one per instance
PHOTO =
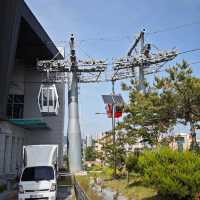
(74, 131)
(18, 154)
(2, 151)
(10, 20)
(8, 141)
(14, 154)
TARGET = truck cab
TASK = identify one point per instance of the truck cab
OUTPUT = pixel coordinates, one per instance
(39, 176)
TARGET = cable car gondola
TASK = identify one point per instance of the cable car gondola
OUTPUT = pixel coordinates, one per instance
(48, 102)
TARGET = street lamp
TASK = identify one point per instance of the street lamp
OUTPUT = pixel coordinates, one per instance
(113, 100)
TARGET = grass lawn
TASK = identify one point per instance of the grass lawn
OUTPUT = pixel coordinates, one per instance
(135, 190)
(84, 183)
(132, 191)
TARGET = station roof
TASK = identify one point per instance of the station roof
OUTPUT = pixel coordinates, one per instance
(33, 41)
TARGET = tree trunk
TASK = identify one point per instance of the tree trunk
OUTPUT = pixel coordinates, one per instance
(193, 145)
(127, 177)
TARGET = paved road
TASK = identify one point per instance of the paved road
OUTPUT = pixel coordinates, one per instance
(64, 193)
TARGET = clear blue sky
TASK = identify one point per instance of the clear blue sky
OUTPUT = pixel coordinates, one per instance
(117, 21)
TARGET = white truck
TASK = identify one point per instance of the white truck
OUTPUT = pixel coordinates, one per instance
(39, 176)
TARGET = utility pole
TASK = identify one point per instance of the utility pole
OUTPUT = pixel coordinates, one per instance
(113, 100)
(113, 132)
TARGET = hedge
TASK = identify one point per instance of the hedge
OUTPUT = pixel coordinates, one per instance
(175, 174)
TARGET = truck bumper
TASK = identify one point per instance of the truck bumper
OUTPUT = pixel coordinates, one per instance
(37, 195)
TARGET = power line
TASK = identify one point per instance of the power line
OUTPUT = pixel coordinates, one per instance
(119, 38)
(107, 39)
(115, 38)
(189, 51)
(173, 28)
(190, 63)
(194, 63)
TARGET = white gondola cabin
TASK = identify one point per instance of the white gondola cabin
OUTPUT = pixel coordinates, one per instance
(48, 99)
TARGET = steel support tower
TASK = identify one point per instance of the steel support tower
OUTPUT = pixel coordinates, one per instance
(141, 61)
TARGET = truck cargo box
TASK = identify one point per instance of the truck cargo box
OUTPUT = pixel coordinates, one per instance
(40, 155)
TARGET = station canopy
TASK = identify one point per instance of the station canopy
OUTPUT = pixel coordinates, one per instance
(31, 123)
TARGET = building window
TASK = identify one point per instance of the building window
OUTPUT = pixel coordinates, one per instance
(15, 106)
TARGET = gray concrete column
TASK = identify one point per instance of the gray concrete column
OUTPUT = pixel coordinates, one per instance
(18, 153)
(74, 131)
(14, 155)
(7, 153)
(2, 150)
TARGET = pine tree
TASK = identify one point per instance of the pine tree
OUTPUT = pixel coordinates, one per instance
(148, 115)
(185, 89)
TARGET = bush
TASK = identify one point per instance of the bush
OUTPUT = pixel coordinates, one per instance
(2, 187)
(108, 171)
(131, 162)
(95, 167)
(175, 174)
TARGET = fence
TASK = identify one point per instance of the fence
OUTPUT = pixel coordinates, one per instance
(79, 192)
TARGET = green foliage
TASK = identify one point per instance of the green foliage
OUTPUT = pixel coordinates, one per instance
(84, 182)
(2, 187)
(166, 140)
(108, 150)
(131, 162)
(90, 153)
(107, 171)
(148, 115)
(172, 99)
(95, 167)
(175, 174)
(180, 85)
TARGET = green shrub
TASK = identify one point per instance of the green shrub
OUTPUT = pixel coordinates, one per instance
(108, 171)
(131, 162)
(2, 187)
(175, 174)
(95, 167)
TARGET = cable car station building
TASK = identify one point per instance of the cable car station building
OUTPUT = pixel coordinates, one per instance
(23, 41)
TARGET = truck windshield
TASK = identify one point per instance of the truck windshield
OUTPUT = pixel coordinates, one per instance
(38, 173)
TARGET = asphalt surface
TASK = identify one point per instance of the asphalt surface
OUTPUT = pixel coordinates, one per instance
(64, 193)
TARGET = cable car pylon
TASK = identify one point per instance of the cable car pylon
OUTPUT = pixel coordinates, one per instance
(77, 71)
(73, 131)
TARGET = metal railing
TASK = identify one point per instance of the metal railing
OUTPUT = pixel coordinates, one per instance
(65, 185)
(79, 192)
